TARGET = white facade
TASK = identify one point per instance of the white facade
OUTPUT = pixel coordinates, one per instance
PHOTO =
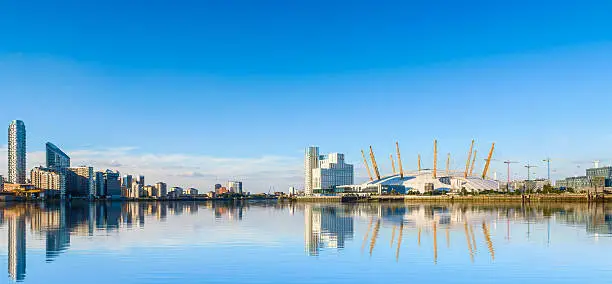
(17, 152)
(311, 162)
(234, 186)
(136, 190)
(332, 171)
(48, 179)
(162, 189)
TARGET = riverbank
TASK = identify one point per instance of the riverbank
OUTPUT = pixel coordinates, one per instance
(488, 198)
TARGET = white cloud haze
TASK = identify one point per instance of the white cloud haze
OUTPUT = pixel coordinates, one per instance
(259, 174)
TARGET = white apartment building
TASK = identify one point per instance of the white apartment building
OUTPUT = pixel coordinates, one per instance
(325, 172)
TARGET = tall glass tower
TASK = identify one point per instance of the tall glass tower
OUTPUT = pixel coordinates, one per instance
(56, 158)
(17, 152)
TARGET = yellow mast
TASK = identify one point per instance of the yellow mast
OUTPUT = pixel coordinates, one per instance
(399, 241)
(467, 164)
(393, 235)
(419, 162)
(435, 162)
(374, 236)
(392, 163)
(473, 161)
(435, 242)
(486, 167)
(448, 165)
(399, 160)
(365, 162)
(374, 164)
(487, 235)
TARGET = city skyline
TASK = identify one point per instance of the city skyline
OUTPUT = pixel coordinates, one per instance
(213, 93)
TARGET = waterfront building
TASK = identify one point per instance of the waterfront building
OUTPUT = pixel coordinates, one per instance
(150, 191)
(17, 152)
(221, 190)
(136, 190)
(234, 186)
(59, 162)
(52, 182)
(331, 172)
(79, 181)
(292, 191)
(1, 183)
(211, 194)
(112, 184)
(141, 180)
(126, 182)
(99, 184)
(162, 189)
(177, 191)
(311, 162)
(192, 191)
(56, 159)
(595, 177)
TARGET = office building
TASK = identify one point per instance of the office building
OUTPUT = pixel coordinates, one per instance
(162, 189)
(48, 180)
(234, 186)
(99, 184)
(1, 183)
(325, 172)
(311, 162)
(80, 181)
(112, 184)
(17, 152)
(141, 180)
(56, 158)
(192, 191)
(126, 181)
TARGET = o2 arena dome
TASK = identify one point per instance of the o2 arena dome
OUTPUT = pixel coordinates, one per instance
(425, 180)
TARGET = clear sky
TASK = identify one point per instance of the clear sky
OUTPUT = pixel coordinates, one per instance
(194, 92)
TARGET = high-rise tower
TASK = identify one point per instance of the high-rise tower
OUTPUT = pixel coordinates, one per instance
(17, 152)
(311, 162)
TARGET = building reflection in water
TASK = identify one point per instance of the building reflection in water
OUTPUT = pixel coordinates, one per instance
(329, 226)
(326, 226)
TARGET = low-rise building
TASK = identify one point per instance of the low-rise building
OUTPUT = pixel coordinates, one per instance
(47, 180)
(150, 191)
(192, 191)
(79, 181)
(177, 191)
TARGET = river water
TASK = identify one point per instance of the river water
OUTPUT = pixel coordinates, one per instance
(270, 242)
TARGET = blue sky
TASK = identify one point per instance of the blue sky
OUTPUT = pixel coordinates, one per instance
(201, 91)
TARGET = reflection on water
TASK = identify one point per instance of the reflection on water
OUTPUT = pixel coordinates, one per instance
(327, 227)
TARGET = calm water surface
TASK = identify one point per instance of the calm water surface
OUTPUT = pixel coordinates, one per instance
(268, 242)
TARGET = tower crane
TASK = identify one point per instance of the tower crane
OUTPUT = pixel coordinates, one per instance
(508, 164)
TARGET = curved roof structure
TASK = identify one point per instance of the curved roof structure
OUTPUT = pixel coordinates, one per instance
(419, 181)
